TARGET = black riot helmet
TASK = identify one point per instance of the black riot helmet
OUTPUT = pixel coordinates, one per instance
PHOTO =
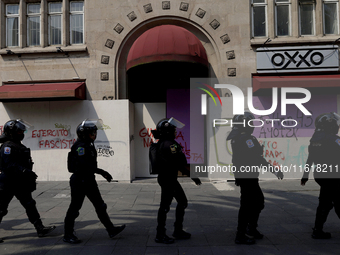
(88, 127)
(242, 125)
(166, 128)
(15, 129)
(328, 122)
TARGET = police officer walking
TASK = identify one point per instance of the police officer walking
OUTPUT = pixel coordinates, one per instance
(16, 175)
(324, 153)
(171, 160)
(82, 162)
(247, 152)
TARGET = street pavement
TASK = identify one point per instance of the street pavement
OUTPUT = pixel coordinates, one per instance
(211, 218)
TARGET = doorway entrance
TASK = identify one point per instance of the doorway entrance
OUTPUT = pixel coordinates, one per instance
(159, 67)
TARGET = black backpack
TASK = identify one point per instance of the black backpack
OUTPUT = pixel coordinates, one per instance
(154, 158)
(72, 162)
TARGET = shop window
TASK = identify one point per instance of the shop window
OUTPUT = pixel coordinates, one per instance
(282, 17)
(307, 17)
(55, 23)
(330, 17)
(12, 25)
(76, 22)
(259, 18)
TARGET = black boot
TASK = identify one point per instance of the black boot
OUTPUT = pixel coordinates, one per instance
(254, 233)
(41, 229)
(115, 230)
(161, 237)
(71, 238)
(319, 234)
(241, 238)
(181, 234)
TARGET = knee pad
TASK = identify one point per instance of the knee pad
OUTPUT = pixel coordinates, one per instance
(72, 215)
(101, 208)
(3, 213)
(31, 203)
(165, 209)
(182, 205)
(325, 206)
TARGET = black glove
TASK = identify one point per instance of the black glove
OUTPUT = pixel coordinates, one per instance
(303, 181)
(107, 176)
(279, 175)
(197, 181)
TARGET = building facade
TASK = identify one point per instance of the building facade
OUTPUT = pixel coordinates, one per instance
(64, 61)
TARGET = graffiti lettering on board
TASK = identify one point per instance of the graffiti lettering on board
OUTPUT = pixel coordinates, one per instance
(277, 157)
(54, 138)
(273, 129)
(63, 126)
(104, 150)
(146, 135)
(56, 144)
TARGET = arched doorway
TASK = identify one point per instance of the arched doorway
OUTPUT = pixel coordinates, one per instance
(159, 66)
(162, 58)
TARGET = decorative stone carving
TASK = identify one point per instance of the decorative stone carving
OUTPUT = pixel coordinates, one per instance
(118, 28)
(166, 5)
(105, 60)
(109, 43)
(231, 71)
(230, 54)
(132, 16)
(184, 6)
(200, 13)
(225, 38)
(104, 76)
(147, 8)
(214, 24)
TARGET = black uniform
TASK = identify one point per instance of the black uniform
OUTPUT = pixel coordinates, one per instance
(324, 152)
(172, 161)
(17, 179)
(83, 161)
(247, 152)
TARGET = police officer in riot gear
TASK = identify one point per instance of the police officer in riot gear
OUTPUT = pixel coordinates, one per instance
(82, 162)
(172, 160)
(16, 175)
(324, 153)
(247, 152)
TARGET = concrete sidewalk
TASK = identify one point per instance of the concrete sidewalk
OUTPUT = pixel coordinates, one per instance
(211, 218)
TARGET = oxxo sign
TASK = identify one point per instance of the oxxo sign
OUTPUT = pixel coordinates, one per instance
(297, 59)
(238, 105)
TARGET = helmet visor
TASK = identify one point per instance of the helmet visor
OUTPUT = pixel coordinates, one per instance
(336, 117)
(25, 123)
(93, 122)
(175, 123)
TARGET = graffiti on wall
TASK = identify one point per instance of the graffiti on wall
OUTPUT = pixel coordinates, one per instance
(146, 135)
(53, 138)
(104, 150)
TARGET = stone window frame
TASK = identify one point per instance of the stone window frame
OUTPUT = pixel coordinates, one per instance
(77, 13)
(6, 22)
(281, 3)
(34, 15)
(324, 2)
(257, 5)
(307, 2)
(51, 14)
(44, 45)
